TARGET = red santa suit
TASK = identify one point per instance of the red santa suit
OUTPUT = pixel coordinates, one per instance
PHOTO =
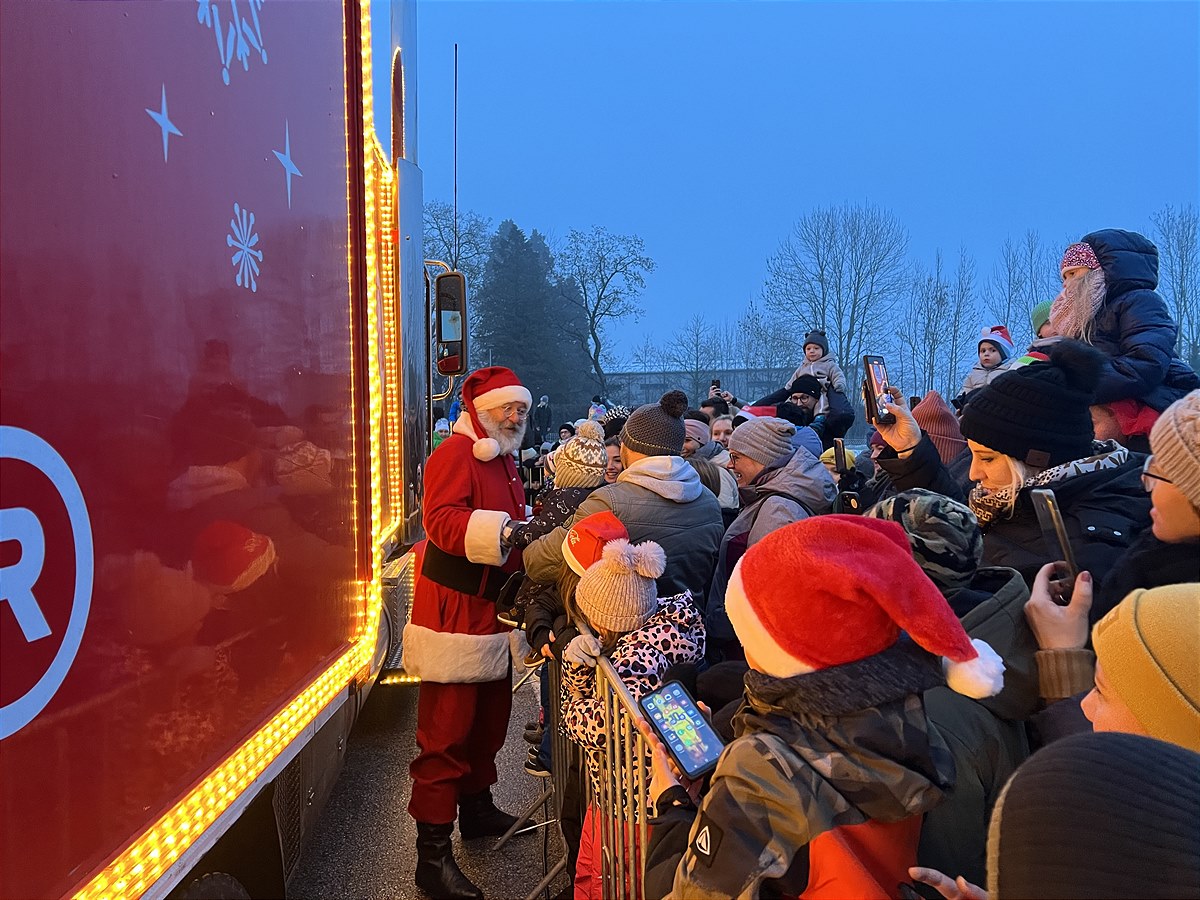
(454, 642)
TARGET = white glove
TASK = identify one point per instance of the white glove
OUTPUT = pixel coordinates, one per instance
(583, 650)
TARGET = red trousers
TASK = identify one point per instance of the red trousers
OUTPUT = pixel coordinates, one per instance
(589, 871)
(460, 729)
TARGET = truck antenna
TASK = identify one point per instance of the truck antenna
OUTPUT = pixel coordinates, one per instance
(456, 154)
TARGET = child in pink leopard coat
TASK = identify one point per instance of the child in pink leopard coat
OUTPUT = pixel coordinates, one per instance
(642, 636)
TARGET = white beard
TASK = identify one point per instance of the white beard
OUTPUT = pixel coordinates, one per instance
(508, 435)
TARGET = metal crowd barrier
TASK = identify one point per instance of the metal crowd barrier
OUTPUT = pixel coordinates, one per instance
(624, 799)
(623, 803)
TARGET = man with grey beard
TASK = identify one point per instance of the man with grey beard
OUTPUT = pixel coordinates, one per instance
(454, 643)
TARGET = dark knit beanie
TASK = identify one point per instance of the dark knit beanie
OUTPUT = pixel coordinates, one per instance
(1104, 815)
(1038, 414)
(806, 384)
(656, 429)
(816, 336)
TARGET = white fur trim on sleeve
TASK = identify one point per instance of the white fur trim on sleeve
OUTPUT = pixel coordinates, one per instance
(447, 658)
(482, 541)
(977, 678)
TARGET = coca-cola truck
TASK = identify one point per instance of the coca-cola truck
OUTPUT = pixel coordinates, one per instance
(215, 365)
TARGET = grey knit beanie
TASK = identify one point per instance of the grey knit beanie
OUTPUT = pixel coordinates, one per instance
(581, 461)
(1175, 443)
(656, 429)
(943, 533)
(617, 592)
(764, 440)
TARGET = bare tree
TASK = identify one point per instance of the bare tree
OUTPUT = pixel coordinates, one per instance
(923, 333)
(1177, 235)
(960, 322)
(841, 269)
(609, 271)
(1025, 275)
(765, 343)
(690, 352)
(647, 356)
(469, 254)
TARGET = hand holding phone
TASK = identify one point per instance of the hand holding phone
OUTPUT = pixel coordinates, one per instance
(1054, 533)
(875, 390)
(1057, 626)
(684, 731)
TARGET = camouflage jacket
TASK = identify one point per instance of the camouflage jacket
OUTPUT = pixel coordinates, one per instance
(831, 750)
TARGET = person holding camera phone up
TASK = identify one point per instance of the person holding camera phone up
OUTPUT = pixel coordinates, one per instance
(1032, 428)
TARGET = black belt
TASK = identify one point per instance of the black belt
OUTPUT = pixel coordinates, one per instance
(460, 574)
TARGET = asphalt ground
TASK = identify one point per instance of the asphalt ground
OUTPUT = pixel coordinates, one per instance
(364, 845)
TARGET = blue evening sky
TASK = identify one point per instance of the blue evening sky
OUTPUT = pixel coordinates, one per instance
(708, 128)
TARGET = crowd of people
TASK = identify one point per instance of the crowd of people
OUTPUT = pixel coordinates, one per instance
(918, 693)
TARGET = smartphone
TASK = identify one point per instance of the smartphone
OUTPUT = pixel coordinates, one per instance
(839, 456)
(875, 385)
(1054, 532)
(717, 383)
(681, 726)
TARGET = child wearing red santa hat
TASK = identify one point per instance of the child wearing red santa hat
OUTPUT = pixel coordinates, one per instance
(822, 791)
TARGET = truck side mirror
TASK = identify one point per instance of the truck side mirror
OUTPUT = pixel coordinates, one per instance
(450, 316)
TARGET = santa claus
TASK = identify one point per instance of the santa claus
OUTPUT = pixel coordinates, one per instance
(455, 644)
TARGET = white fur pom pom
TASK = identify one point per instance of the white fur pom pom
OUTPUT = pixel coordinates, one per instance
(977, 678)
(650, 560)
(486, 449)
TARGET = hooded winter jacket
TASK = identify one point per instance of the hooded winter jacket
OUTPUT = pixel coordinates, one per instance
(660, 499)
(987, 737)
(820, 795)
(1103, 511)
(795, 489)
(719, 457)
(1133, 327)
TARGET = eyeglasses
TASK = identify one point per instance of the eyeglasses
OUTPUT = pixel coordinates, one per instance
(1148, 477)
(519, 410)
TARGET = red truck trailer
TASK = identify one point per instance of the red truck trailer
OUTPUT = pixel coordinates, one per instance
(215, 365)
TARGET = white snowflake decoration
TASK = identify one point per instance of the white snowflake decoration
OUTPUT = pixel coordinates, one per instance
(242, 34)
(243, 236)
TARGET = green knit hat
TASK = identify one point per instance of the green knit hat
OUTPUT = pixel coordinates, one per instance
(1040, 315)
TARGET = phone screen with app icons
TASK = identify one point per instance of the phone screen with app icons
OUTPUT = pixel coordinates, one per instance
(677, 720)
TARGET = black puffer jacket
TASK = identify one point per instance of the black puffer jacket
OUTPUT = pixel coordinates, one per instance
(1103, 512)
(1133, 327)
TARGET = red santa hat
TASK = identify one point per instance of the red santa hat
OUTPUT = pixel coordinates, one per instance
(488, 389)
(584, 543)
(230, 557)
(836, 589)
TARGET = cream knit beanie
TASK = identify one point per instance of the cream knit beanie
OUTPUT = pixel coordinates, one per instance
(763, 440)
(617, 592)
(1175, 443)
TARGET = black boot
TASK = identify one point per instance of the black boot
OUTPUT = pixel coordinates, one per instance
(478, 817)
(438, 875)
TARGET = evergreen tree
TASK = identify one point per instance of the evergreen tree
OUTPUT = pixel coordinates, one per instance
(519, 315)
